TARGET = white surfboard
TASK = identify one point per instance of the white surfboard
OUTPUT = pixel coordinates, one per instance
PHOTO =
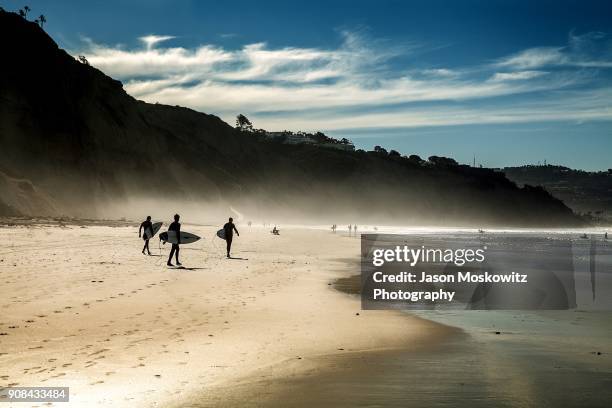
(186, 237)
(156, 227)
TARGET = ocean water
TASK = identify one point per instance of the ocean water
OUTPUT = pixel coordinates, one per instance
(556, 358)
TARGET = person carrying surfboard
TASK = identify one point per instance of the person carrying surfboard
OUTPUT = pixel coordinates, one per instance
(175, 226)
(147, 228)
(229, 229)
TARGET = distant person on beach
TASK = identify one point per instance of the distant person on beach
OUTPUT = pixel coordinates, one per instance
(606, 235)
(275, 231)
(147, 228)
(229, 229)
(355, 228)
(176, 227)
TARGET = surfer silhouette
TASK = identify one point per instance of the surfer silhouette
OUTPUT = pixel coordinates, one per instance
(175, 226)
(229, 229)
(147, 228)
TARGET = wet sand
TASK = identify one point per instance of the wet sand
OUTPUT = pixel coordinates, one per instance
(464, 371)
(498, 358)
(83, 308)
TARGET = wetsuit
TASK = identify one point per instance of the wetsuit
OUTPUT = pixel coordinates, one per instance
(146, 226)
(175, 226)
(229, 229)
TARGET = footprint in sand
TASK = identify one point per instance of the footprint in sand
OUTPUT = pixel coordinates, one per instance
(99, 352)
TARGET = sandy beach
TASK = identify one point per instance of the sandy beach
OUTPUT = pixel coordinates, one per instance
(441, 179)
(83, 308)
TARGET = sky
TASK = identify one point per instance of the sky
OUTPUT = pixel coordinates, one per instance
(506, 82)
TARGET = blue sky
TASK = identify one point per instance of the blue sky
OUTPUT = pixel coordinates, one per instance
(512, 82)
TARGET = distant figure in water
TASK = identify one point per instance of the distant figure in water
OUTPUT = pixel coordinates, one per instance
(229, 229)
(334, 228)
(249, 224)
(146, 227)
(606, 235)
(176, 227)
(355, 228)
(275, 231)
(350, 228)
(584, 236)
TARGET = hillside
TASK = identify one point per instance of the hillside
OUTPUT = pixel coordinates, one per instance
(585, 192)
(74, 142)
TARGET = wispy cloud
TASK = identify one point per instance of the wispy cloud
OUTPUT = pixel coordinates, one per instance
(154, 62)
(535, 58)
(322, 88)
(440, 72)
(151, 40)
(560, 106)
(590, 50)
(516, 76)
(229, 35)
